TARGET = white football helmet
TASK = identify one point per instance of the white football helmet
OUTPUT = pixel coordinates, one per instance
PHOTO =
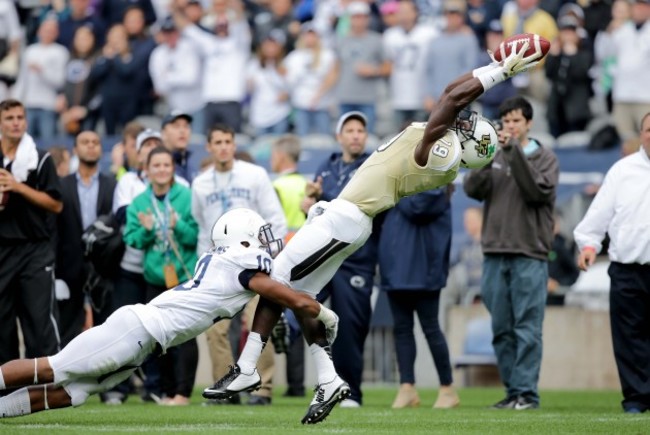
(242, 226)
(478, 139)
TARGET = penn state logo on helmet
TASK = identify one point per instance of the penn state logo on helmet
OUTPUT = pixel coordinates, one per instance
(478, 139)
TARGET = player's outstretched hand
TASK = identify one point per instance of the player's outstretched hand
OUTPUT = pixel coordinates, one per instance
(516, 63)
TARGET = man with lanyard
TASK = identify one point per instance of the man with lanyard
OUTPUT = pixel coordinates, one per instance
(29, 191)
(351, 287)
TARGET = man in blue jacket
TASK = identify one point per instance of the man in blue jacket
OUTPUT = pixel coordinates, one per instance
(414, 249)
(351, 286)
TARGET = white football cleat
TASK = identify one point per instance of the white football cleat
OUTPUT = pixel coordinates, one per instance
(326, 396)
(232, 383)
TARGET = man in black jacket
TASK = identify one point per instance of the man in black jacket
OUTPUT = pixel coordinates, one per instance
(29, 192)
(86, 194)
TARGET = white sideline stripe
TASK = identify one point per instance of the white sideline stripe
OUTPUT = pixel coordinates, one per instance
(173, 428)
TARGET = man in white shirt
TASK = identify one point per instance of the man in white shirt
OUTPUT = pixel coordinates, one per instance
(224, 71)
(10, 35)
(621, 209)
(42, 75)
(405, 46)
(229, 184)
(175, 69)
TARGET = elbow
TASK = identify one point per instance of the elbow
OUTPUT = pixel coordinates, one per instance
(57, 207)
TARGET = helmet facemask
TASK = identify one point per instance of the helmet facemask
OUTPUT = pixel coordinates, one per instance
(478, 139)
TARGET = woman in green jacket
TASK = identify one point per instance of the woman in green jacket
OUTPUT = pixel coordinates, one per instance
(159, 221)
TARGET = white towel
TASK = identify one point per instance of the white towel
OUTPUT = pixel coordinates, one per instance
(26, 158)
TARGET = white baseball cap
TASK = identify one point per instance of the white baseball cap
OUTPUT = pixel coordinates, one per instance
(355, 114)
(358, 8)
(145, 136)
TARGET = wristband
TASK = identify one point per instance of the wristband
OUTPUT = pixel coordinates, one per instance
(491, 78)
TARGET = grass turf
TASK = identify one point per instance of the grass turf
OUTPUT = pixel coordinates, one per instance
(584, 412)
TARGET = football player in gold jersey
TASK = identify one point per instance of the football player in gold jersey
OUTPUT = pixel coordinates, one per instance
(422, 157)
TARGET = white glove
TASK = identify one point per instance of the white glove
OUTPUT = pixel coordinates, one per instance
(331, 322)
(516, 63)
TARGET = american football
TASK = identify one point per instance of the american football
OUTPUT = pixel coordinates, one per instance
(536, 43)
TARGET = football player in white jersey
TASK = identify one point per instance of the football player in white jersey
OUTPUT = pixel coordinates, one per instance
(225, 279)
(422, 157)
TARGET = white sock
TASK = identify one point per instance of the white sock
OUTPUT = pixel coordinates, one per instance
(15, 404)
(2, 381)
(251, 353)
(324, 364)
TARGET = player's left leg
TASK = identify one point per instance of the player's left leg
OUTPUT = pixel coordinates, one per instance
(29, 400)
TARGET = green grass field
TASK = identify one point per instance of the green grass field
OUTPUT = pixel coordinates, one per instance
(561, 412)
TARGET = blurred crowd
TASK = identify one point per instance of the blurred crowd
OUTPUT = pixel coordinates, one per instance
(274, 66)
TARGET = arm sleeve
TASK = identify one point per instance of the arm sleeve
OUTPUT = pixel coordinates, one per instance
(48, 180)
(536, 183)
(135, 234)
(269, 205)
(591, 230)
(204, 41)
(477, 184)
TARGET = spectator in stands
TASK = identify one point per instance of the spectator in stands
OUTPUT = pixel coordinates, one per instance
(86, 194)
(290, 187)
(567, 67)
(77, 14)
(61, 158)
(79, 102)
(311, 74)
(525, 16)
(267, 85)
(112, 12)
(176, 131)
(141, 45)
(175, 69)
(464, 281)
(630, 95)
(414, 249)
(159, 221)
(406, 45)
(29, 189)
(42, 74)
(231, 14)
(620, 209)
(351, 287)
(124, 155)
(228, 184)
(389, 10)
(276, 15)
(361, 65)
(604, 52)
(490, 101)
(193, 10)
(115, 71)
(224, 70)
(518, 189)
(480, 15)
(10, 38)
(451, 53)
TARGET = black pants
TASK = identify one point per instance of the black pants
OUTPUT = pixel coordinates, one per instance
(27, 291)
(403, 305)
(350, 291)
(178, 365)
(629, 310)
